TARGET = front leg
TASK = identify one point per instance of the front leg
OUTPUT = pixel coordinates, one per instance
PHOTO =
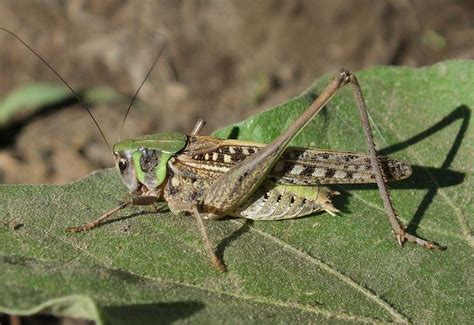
(216, 261)
(138, 200)
(180, 205)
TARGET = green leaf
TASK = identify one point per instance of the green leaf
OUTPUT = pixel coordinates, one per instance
(153, 267)
(29, 99)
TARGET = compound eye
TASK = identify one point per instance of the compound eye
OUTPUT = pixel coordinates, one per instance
(123, 164)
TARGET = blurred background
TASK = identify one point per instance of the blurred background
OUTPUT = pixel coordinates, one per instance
(224, 61)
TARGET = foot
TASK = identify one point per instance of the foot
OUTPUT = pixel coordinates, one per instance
(218, 264)
(83, 228)
(403, 236)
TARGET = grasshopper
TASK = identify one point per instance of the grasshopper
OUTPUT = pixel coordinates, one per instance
(212, 178)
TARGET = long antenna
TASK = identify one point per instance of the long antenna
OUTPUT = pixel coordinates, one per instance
(61, 78)
(142, 83)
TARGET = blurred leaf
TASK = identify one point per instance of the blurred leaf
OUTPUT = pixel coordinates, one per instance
(434, 40)
(97, 95)
(260, 87)
(149, 267)
(28, 98)
(31, 98)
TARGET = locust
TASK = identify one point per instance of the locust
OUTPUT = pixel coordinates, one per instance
(212, 178)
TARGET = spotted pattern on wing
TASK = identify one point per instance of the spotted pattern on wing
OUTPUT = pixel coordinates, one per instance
(297, 166)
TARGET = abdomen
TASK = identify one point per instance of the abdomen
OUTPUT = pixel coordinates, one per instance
(278, 202)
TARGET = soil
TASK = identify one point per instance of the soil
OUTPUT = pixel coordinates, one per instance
(224, 61)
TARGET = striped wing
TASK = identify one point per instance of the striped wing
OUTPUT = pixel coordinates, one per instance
(210, 157)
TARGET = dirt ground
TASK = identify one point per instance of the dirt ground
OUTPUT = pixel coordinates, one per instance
(225, 60)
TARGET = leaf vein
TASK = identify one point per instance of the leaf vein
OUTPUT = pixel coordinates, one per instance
(396, 315)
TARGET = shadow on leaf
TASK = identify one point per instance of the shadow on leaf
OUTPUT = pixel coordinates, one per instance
(464, 113)
(232, 237)
(430, 178)
(160, 313)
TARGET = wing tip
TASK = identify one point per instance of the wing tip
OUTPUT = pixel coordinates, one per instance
(398, 169)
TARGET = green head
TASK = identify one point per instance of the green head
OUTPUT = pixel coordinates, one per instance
(143, 161)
